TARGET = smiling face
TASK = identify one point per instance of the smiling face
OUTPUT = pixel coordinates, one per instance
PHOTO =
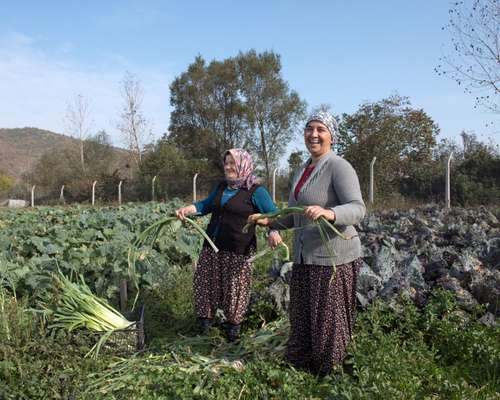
(317, 138)
(230, 167)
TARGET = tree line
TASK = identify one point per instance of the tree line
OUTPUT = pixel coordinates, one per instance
(244, 101)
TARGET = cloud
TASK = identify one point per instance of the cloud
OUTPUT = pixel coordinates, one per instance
(35, 87)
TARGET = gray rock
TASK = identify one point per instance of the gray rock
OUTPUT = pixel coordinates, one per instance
(464, 298)
(488, 319)
(485, 287)
(368, 280)
(385, 262)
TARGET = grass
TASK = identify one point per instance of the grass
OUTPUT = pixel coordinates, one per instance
(398, 351)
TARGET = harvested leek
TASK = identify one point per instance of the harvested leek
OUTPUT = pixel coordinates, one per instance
(79, 308)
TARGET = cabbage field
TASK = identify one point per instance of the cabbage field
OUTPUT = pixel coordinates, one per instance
(402, 349)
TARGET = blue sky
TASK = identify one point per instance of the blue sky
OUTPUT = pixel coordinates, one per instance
(337, 52)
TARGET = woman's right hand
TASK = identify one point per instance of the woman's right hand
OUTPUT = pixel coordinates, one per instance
(274, 239)
(256, 219)
(183, 212)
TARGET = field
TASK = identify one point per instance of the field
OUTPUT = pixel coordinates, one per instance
(437, 350)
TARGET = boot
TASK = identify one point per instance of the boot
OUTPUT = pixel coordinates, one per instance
(204, 325)
(233, 332)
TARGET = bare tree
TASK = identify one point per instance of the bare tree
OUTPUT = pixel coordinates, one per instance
(78, 123)
(132, 125)
(474, 61)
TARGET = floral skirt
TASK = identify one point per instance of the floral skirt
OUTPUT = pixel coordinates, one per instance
(222, 281)
(322, 314)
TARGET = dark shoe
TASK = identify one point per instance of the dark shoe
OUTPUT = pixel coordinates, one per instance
(204, 325)
(233, 332)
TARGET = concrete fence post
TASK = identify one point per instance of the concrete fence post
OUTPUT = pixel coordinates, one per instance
(120, 193)
(194, 187)
(447, 187)
(93, 192)
(274, 184)
(371, 179)
(33, 196)
(153, 188)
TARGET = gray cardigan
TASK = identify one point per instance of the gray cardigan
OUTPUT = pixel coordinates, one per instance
(333, 184)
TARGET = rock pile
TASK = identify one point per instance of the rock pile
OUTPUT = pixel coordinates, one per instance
(413, 251)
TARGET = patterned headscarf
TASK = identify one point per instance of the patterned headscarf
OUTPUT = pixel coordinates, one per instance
(244, 169)
(322, 115)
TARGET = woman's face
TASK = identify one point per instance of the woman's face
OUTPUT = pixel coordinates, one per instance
(230, 167)
(317, 138)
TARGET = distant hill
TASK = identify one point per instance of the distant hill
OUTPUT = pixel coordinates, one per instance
(20, 148)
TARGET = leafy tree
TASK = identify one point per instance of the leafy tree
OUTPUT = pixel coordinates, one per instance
(474, 61)
(208, 114)
(401, 137)
(272, 109)
(174, 172)
(6, 183)
(238, 102)
(54, 170)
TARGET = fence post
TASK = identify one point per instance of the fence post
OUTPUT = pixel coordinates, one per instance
(447, 188)
(153, 188)
(274, 185)
(371, 179)
(61, 196)
(120, 193)
(93, 192)
(194, 187)
(33, 196)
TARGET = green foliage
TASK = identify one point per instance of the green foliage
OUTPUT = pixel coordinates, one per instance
(400, 136)
(88, 241)
(398, 351)
(6, 183)
(238, 102)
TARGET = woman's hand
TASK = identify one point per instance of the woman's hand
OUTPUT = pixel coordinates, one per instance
(315, 212)
(274, 239)
(183, 212)
(256, 219)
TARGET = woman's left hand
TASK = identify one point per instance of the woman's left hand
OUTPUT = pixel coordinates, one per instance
(315, 212)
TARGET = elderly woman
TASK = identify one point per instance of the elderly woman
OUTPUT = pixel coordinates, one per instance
(321, 308)
(222, 280)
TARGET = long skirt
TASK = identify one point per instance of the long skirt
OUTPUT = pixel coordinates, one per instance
(322, 315)
(222, 280)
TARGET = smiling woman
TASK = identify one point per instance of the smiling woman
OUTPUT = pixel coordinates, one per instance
(222, 280)
(322, 303)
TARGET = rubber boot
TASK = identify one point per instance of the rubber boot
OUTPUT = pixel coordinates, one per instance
(233, 332)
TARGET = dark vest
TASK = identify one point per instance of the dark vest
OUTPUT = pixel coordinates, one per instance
(231, 218)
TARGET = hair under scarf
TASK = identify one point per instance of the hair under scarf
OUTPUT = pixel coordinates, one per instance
(244, 169)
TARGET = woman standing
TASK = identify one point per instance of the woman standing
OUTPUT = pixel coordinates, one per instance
(222, 280)
(322, 309)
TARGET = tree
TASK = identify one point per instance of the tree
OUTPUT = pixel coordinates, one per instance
(237, 102)
(400, 136)
(174, 172)
(132, 125)
(78, 123)
(272, 109)
(208, 114)
(6, 182)
(474, 61)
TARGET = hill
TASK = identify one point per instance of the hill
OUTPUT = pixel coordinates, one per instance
(20, 148)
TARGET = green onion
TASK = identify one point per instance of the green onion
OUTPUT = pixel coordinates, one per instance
(79, 308)
(324, 227)
(149, 236)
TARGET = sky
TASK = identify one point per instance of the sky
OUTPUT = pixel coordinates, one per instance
(341, 53)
